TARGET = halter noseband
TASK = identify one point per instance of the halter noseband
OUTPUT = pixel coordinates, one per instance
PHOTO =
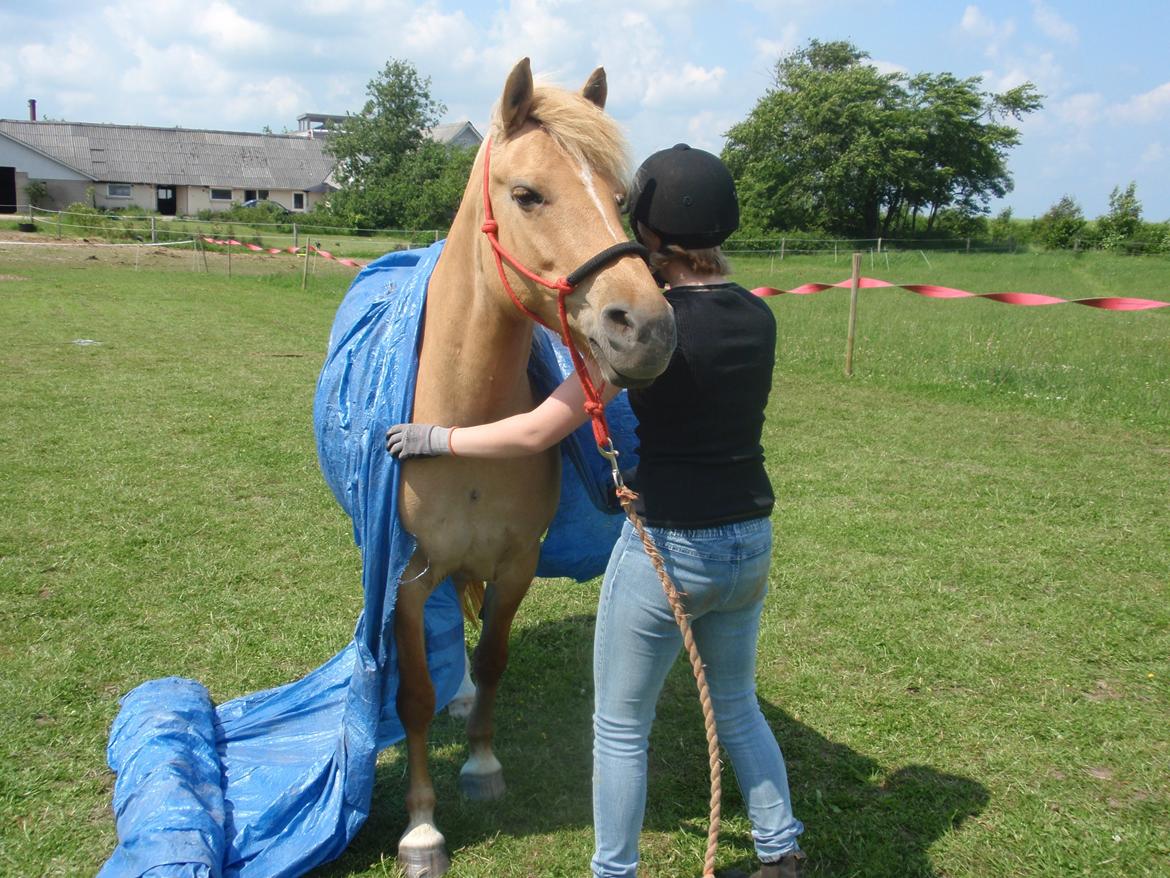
(563, 286)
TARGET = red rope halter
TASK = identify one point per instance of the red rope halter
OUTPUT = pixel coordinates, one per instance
(563, 286)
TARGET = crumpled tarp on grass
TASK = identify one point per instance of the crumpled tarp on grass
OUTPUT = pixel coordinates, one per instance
(274, 783)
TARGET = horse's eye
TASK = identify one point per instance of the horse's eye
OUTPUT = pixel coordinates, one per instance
(620, 198)
(526, 198)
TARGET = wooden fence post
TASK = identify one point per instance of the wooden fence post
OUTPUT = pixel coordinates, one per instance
(852, 314)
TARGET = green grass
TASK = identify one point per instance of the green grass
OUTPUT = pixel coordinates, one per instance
(964, 654)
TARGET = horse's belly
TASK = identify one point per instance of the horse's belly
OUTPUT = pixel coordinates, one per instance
(482, 519)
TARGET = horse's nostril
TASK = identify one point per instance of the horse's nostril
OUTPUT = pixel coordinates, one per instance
(618, 317)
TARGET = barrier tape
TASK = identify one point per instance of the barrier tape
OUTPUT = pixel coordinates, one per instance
(86, 243)
(256, 248)
(1107, 303)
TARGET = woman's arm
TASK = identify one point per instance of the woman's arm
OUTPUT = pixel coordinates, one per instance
(519, 435)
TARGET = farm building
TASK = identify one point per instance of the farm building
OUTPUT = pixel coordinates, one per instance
(172, 170)
(321, 125)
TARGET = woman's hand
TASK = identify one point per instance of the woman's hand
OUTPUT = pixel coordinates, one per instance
(406, 441)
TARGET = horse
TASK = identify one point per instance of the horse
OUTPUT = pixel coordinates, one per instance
(543, 201)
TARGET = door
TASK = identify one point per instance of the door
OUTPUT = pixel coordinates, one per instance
(7, 190)
(166, 200)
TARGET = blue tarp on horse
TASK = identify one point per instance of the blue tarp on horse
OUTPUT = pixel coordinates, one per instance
(274, 783)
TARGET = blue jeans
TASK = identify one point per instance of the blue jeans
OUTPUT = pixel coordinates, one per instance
(723, 575)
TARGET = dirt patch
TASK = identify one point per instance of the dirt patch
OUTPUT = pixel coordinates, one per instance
(4, 277)
(83, 252)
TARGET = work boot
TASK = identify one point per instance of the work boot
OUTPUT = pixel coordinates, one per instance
(788, 866)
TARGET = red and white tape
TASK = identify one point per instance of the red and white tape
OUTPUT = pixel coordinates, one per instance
(256, 248)
(1107, 303)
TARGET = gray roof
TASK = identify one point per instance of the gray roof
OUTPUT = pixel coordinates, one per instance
(461, 133)
(178, 156)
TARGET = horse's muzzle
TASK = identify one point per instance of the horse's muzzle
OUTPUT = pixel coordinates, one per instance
(632, 347)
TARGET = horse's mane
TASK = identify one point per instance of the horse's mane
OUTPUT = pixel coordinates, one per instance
(579, 127)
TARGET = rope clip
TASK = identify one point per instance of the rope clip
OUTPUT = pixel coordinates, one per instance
(610, 453)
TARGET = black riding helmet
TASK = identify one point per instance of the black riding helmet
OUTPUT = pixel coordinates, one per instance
(686, 196)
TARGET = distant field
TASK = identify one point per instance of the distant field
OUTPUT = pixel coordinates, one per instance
(964, 653)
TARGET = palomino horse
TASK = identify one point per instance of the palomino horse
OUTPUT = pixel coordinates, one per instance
(556, 169)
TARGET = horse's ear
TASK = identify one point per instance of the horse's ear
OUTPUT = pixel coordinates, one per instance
(517, 99)
(595, 89)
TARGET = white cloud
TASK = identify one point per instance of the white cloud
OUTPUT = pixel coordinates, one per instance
(687, 86)
(705, 130)
(769, 51)
(277, 93)
(448, 38)
(887, 66)
(1039, 68)
(1080, 110)
(1152, 106)
(1154, 154)
(222, 24)
(995, 34)
(1053, 25)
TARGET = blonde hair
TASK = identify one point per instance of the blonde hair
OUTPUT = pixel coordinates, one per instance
(709, 260)
(580, 128)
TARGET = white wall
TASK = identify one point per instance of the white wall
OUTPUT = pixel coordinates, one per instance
(38, 167)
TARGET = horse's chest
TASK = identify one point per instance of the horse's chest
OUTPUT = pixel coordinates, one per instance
(471, 516)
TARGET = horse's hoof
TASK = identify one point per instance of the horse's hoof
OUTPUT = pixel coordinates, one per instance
(482, 787)
(422, 852)
(460, 708)
(423, 862)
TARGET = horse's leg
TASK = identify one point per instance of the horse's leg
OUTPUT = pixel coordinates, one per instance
(460, 706)
(422, 849)
(482, 776)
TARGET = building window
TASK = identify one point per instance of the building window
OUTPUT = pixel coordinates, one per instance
(221, 194)
(118, 190)
(298, 201)
(263, 195)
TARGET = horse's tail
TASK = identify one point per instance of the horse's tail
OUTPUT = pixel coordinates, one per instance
(471, 599)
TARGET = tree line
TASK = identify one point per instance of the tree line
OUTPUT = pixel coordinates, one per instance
(834, 147)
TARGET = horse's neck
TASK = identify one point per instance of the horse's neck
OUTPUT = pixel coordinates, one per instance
(474, 358)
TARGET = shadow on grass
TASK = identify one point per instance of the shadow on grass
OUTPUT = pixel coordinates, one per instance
(860, 820)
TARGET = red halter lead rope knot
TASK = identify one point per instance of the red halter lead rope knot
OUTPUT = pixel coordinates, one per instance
(563, 286)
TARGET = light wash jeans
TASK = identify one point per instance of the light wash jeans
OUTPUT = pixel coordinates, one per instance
(723, 575)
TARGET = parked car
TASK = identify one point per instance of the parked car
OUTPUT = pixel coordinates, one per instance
(264, 203)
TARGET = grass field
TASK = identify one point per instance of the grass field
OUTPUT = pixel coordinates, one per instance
(964, 652)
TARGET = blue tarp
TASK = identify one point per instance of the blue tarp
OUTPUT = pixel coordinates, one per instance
(274, 783)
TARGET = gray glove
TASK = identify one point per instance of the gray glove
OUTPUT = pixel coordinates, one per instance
(405, 441)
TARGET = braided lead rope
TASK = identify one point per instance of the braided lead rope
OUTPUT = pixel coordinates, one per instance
(627, 498)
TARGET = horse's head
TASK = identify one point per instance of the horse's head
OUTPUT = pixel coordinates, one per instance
(558, 172)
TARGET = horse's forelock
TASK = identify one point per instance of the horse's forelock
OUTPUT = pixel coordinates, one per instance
(580, 128)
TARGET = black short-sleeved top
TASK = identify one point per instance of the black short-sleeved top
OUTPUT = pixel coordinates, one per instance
(699, 424)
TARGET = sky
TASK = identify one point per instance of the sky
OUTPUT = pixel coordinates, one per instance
(679, 70)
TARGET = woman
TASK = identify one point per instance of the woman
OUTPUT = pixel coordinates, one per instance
(706, 500)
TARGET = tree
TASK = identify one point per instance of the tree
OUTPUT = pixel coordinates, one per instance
(837, 145)
(1061, 225)
(392, 174)
(1124, 220)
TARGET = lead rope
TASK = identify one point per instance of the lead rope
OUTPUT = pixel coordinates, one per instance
(627, 497)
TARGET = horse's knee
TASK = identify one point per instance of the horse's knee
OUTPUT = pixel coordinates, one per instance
(489, 663)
